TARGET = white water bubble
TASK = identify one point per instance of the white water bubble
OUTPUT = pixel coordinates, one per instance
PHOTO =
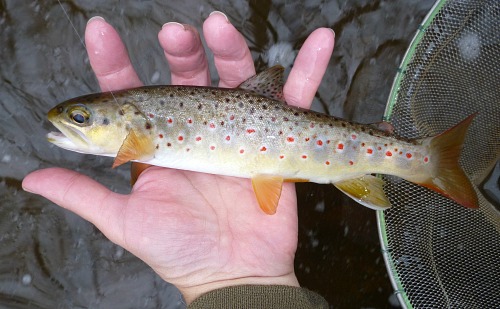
(155, 77)
(280, 53)
(469, 46)
(26, 279)
(6, 158)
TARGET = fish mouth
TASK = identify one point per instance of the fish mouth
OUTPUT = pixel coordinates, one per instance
(70, 139)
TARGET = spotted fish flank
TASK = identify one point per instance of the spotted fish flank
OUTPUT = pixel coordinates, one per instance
(250, 132)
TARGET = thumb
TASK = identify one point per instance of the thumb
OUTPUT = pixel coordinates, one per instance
(81, 195)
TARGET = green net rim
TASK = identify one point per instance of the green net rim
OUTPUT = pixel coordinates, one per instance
(391, 102)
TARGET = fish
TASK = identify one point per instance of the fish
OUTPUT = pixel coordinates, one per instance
(251, 132)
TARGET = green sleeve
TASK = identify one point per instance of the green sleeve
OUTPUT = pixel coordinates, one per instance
(260, 296)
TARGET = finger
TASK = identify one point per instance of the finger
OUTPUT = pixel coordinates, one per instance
(232, 57)
(81, 195)
(185, 54)
(309, 68)
(108, 56)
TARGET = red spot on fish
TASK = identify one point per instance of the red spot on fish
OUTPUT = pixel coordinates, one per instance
(388, 153)
(212, 125)
(409, 155)
(190, 121)
(198, 138)
(353, 137)
(169, 120)
(319, 142)
(304, 157)
(340, 146)
(327, 162)
(369, 151)
(379, 148)
(228, 138)
(328, 141)
(311, 125)
(263, 148)
(400, 153)
(307, 139)
(362, 144)
(282, 157)
(212, 147)
(426, 159)
(351, 163)
(250, 131)
(290, 139)
(151, 116)
(160, 136)
(273, 118)
(231, 117)
(242, 151)
(180, 138)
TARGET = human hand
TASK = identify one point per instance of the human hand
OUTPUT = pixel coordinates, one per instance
(197, 231)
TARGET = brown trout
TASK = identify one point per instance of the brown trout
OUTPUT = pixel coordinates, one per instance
(250, 132)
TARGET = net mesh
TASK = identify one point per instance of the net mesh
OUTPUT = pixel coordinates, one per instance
(439, 254)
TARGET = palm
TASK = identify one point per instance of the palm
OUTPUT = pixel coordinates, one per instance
(210, 223)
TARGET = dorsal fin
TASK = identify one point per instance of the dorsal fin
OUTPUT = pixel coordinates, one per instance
(268, 83)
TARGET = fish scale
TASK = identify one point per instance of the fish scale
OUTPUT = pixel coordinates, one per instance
(250, 132)
(235, 133)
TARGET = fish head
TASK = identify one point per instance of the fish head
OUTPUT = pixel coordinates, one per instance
(89, 127)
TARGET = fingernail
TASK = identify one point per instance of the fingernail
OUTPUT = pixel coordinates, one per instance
(95, 18)
(27, 190)
(219, 13)
(173, 23)
(332, 31)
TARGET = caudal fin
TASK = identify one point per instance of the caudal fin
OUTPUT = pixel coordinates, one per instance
(450, 180)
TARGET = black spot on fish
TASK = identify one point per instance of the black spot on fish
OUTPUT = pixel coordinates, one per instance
(171, 95)
(105, 101)
(105, 121)
(222, 123)
(148, 126)
(199, 106)
(370, 132)
(191, 93)
(213, 92)
(216, 105)
(295, 114)
(205, 123)
(247, 95)
(252, 110)
(363, 129)
(162, 102)
(260, 117)
(344, 125)
(276, 107)
(181, 104)
(250, 101)
(240, 104)
(157, 146)
(243, 120)
(285, 119)
(266, 130)
(60, 109)
(238, 96)
(264, 106)
(228, 100)
(137, 113)
(306, 113)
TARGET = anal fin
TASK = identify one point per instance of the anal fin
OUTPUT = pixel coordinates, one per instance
(366, 190)
(267, 189)
(134, 147)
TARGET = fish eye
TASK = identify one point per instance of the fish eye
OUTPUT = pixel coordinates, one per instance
(79, 116)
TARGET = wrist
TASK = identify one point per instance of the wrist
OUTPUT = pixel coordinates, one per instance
(193, 292)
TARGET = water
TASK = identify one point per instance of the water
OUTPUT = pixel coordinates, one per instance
(53, 259)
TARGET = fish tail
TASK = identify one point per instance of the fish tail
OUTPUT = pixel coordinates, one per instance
(449, 178)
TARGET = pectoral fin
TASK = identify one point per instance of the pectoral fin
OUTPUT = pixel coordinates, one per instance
(366, 190)
(134, 147)
(267, 189)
